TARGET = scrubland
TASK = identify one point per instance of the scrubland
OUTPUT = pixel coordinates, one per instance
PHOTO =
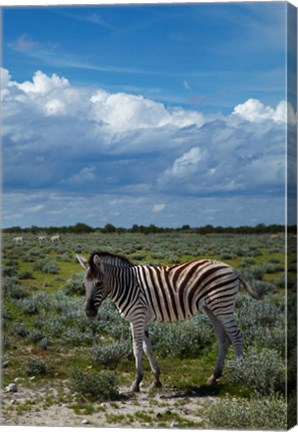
(69, 369)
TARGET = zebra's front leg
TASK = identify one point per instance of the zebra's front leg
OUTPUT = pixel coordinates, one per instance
(137, 330)
(147, 346)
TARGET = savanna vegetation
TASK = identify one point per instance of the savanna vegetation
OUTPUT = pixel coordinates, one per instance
(48, 341)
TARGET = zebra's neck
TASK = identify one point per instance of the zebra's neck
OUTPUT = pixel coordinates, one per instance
(122, 288)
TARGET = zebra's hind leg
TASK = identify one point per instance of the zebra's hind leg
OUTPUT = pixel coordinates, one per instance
(147, 346)
(223, 345)
(234, 334)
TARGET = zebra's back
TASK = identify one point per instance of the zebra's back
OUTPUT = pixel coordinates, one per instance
(175, 293)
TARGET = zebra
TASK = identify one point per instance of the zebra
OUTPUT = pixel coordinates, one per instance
(145, 293)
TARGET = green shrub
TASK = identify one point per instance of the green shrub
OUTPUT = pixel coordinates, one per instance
(280, 282)
(267, 337)
(26, 275)
(44, 343)
(35, 304)
(100, 386)
(247, 261)
(262, 371)
(31, 256)
(112, 353)
(10, 270)
(66, 257)
(158, 254)
(226, 255)
(173, 259)
(73, 335)
(6, 314)
(74, 285)
(35, 336)
(20, 329)
(253, 251)
(37, 367)
(12, 289)
(249, 414)
(254, 272)
(182, 340)
(138, 256)
(46, 265)
(262, 323)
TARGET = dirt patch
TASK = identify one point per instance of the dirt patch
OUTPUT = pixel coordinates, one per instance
(56, 406)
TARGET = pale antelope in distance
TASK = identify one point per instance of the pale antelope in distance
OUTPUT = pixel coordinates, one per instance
(41, 239)
(144, 293)
(55, 238)
(17, 239)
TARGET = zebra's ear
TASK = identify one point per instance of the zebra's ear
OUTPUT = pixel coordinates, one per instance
(97, 266)
(83, 261)
(97, 261)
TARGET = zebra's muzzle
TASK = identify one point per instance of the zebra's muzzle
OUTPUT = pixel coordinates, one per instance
(90, 313)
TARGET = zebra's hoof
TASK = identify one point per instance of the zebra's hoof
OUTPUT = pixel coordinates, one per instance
(135, 388)
(155, 385)
(212, 380)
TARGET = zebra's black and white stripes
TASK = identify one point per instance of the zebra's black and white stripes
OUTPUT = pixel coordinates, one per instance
(176, 293)
(166, 294)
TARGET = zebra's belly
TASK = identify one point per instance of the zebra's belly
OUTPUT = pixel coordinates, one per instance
(171, 317)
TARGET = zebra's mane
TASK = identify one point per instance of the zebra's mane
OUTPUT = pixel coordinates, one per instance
(108, 258)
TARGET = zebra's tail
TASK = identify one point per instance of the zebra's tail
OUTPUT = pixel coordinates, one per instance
(248, 288)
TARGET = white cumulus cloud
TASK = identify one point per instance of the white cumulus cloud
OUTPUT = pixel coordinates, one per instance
(183, 166)
(123, 112)
(58, 136)
(86, 175)
(157, 208)
(5, 77)
(54, 107)
(254, 110)
(42, 84)
(34, 209)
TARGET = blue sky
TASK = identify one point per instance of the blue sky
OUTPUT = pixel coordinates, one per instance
(163, 114)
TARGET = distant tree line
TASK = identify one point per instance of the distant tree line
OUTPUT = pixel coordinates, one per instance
(80, 228)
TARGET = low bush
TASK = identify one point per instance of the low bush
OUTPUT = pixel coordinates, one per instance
(254, 272)
(260, 370)
(182, 340)
(112, 353)
(173, 259)
(73, 335)
(46, 265)
(267, 337)
(10, 270)
(20, 329)
(26, 275)
(249, 414)
(101, 386)
(44, 343)
(37, 367)
(281, 282)
(226, 255)
(74, 285)
(262, 323)
(253, 251)
(66, 257)
(138, 256)
(35, 336)
(12, 289)
(37, 303)
(248, 261)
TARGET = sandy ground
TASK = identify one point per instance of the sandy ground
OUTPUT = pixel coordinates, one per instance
(36, 406)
